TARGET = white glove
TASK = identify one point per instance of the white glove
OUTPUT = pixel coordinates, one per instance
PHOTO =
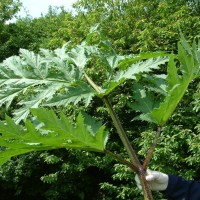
(158, 181)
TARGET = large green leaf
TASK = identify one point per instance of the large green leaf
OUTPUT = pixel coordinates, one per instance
(54, 133)
(132, 72)
(178, 80)
(35, 79)
(131, 59)
(178, 83)
(145, 101)
(74, 94)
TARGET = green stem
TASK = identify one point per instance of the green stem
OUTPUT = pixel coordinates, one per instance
(132, 155)
(134, 160)
(131, 152)
(118, 126)
(96, 87)
(122, 133)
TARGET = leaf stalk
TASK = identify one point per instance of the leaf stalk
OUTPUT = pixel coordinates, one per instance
(91, 82)
(151, 150)
(122, 160)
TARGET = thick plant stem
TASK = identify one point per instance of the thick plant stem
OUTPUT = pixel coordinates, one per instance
(122, 133)
(118, 126)
(134, 160)
(131, 152)
(150, 152)
(142, 174)
(145, 187)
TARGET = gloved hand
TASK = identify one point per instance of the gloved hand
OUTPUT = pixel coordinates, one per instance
(158, 181)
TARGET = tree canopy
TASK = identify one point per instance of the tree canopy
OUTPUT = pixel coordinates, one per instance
(8, 9)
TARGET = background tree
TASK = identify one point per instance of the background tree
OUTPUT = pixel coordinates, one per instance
(8, 9)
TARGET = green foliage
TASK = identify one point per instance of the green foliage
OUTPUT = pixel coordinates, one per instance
(177, 81)
(8, 8)
(26, 33)
(131, 29)
(54, 78)
(50, 159)
(40, 78)
(80, 167)
(196, 103)
(138, 26)
(57, 78)
(53, 133)
(133, 72)
(50, 178)
(120, 187)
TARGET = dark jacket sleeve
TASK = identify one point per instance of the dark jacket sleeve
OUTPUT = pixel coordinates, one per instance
(181, 189)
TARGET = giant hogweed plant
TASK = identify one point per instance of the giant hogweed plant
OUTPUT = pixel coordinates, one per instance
(39, 82)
